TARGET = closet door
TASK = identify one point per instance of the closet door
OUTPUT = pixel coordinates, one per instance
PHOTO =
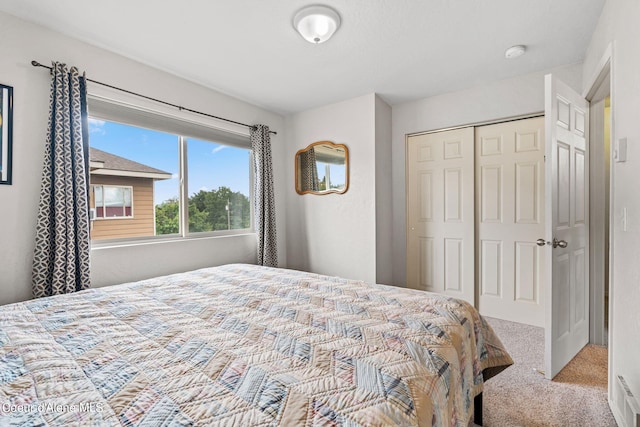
(440, 213)
(510, 218)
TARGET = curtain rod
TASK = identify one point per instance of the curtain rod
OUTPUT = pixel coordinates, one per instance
(179, 107)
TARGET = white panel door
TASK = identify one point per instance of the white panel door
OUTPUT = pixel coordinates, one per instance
(440, 213)
(567, 225)
(509, 220)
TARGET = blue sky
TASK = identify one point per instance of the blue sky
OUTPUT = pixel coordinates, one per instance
(210, 165)
(337, 173)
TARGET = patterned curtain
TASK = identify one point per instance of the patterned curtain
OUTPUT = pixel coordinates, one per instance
(264, 205)
(309, 170)
(61, 256)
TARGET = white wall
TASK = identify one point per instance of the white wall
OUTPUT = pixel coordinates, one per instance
(503, 99)
(21, 42)
(618, 25)
(384, 200)
(336, 234)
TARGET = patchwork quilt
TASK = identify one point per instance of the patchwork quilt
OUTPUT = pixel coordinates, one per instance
(242, 345)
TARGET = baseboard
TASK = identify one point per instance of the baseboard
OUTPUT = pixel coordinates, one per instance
(628, 413)
(624, 420)
(616, 414)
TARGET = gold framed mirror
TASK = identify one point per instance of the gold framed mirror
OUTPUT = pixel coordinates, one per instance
(322, 168)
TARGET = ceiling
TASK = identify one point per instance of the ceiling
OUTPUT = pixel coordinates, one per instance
(400, 49)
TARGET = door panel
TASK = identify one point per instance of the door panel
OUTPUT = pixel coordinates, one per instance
(453, 195)
(453, 263)
(491, 268)
(561, 292)
(440, 213)
(425, 190)
(567, 198)
(580, 299)
(426, 263)
(491, 202)
(527, 192)
(580, 205)
(510, 202)
(527, 141)
(527, 272)
(563, 202)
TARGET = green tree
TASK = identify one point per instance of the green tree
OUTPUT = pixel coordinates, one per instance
(167, 217)
(322, 184)
(207, 212)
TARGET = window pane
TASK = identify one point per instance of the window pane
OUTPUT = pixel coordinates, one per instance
(123, 158)
(97, 189)
(338, 176)
(218, 187)
(127, 197)
(322, 176)
(113, 196)
(98, 200)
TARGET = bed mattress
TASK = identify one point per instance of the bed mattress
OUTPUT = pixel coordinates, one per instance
(243, 345)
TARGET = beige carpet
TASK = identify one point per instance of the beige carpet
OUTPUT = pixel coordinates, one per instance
(520, 396)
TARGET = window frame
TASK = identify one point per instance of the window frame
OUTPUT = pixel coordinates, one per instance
(95, 200)
(115, 111)
(183, 176)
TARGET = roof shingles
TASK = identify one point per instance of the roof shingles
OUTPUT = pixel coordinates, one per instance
(113, 162)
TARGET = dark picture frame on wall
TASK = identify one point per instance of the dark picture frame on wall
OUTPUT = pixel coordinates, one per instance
(6, 132)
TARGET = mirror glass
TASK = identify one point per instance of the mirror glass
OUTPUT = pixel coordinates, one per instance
(322, 168)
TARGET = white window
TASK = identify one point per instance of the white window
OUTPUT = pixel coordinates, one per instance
(113, 202)
(184, 179)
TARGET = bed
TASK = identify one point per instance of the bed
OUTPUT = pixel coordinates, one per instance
(243, 345)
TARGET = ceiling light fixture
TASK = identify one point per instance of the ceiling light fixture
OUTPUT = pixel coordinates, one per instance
(316, 23)
(515, 51)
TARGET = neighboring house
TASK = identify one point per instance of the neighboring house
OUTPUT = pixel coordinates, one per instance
(121, 196)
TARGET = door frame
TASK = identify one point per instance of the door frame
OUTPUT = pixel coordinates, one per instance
(606, 67)
(476, 124)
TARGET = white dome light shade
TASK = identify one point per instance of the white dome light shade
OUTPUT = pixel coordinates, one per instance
(515, 51)
(316, 23)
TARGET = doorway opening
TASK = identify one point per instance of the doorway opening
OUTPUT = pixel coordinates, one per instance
(599, 208)
(602, 128)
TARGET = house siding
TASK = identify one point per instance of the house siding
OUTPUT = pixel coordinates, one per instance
(142, 223)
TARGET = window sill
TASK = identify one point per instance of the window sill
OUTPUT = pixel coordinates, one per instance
(111, 218)
(118, 243)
